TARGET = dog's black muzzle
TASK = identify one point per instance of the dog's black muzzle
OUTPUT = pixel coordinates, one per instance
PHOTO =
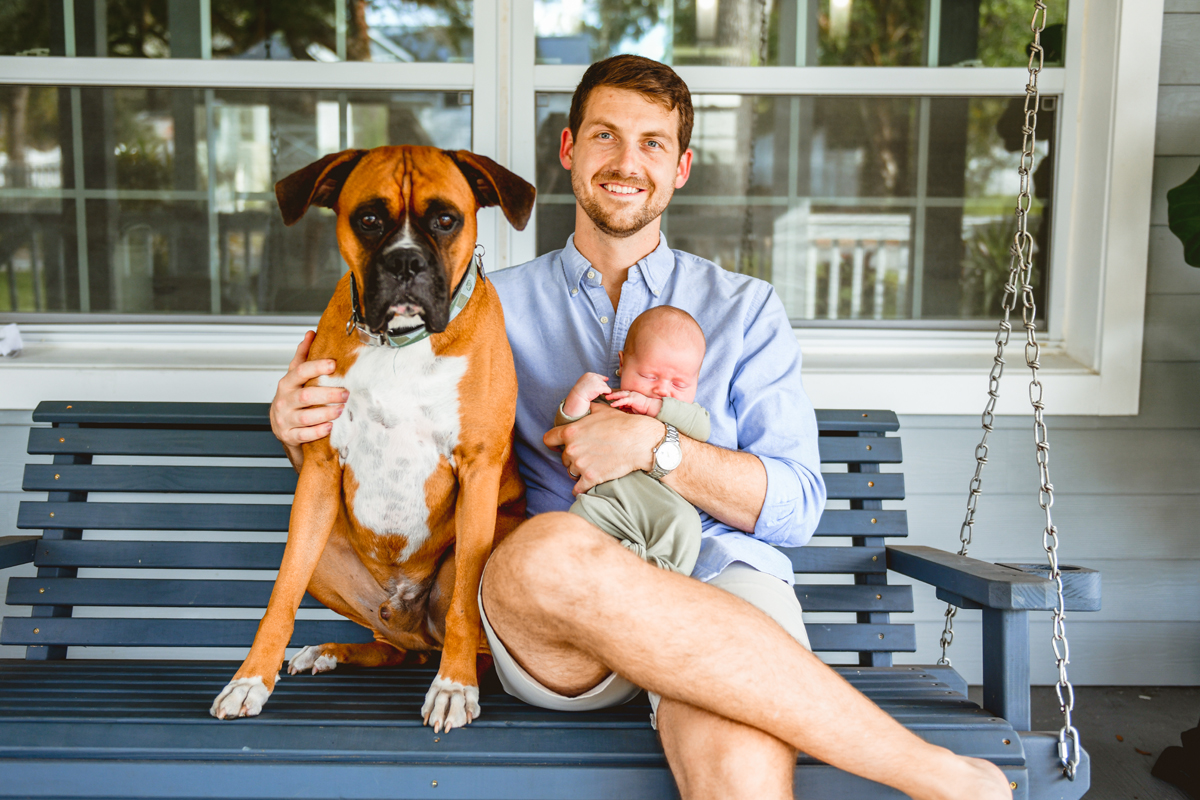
(411, 276)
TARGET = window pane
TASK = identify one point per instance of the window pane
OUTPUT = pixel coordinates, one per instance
(794, 32)
(305, 30)
(178, 212)
(863, 208)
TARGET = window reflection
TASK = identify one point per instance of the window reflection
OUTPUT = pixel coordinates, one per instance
(177, 213)
(878, 33)
(303, 30)
(861, 208)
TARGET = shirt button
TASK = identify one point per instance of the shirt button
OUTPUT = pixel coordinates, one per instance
(574, 292)
(604, 320)
(591, 273)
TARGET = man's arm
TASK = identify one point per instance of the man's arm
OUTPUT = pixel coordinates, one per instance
(607, 444)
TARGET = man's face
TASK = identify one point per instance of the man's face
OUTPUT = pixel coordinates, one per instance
(625, 164)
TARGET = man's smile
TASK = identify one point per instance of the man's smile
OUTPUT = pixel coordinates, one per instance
(620, 188)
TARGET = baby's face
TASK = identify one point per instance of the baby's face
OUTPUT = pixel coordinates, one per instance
(663, 367)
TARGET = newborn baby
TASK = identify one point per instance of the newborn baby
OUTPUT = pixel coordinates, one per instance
(660, 367)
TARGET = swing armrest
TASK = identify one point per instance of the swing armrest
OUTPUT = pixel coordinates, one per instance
(16, 550)
(971, 583)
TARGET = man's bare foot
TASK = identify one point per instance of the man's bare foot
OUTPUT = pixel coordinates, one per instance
(978, 780)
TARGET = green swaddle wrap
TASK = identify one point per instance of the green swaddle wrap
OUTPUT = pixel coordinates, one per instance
(648, 517)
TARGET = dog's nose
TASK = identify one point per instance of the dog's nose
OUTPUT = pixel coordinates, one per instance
(405, 264)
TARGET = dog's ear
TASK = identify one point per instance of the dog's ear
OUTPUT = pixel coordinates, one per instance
(318, 184)
(493, 185)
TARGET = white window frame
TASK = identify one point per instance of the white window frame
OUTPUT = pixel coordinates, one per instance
(1092, 355)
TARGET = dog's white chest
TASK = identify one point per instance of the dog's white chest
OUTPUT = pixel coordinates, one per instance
(401, 418)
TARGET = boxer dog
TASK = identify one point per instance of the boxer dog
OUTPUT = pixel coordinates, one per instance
(398, 509)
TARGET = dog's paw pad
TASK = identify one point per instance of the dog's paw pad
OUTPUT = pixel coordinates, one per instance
(450, 704)
(242, 697)
(311, 658)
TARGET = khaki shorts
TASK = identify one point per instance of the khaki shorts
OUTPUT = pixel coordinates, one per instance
(770, 594)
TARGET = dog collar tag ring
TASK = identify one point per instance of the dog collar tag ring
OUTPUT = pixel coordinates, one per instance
(667, 455)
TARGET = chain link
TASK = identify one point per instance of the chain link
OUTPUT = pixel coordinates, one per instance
(1020, 278)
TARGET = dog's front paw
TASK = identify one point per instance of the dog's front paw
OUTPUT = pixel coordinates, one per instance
(243, 697)
(450, 704)
(312, 658)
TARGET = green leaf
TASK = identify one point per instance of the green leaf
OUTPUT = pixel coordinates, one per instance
(1183, 217)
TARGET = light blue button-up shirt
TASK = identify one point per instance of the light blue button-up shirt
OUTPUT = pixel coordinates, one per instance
(561, 324)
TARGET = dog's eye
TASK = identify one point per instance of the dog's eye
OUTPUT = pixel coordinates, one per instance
(370, 222)
(445, 222)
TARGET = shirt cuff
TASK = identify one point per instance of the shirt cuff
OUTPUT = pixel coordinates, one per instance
(784, 519)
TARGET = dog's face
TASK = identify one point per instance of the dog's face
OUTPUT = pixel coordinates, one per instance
(406, 223)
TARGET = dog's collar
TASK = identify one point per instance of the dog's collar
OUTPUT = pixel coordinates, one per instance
(466, 287)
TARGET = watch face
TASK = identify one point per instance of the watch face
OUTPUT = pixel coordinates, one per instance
(668, 456)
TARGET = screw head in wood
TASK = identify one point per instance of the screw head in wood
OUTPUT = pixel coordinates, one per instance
(874, 558)
(52, 513)
(61, 439)
(56, 476)
(873, 520)
(70, 406)
(870, 483)
(434, 783)
(37, 630)
(868, 447)
(41, 591)
(881, 636)
(878, 597)
(1012, 785)
(864, 416)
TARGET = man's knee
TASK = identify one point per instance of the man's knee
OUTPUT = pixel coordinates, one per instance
(544, 563)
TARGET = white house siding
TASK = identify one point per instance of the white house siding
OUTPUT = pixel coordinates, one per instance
(1127, 501)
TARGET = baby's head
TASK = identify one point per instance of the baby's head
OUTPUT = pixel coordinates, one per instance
(663, 353)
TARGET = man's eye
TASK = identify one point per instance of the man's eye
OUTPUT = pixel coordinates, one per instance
(605, 136)
(653, 143)
(445, 222)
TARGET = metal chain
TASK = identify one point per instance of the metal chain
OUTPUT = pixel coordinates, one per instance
(1021, 269)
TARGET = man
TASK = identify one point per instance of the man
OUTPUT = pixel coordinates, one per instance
(575, 620)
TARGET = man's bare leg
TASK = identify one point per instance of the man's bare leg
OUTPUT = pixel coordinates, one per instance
(569, 603)
(714, 758)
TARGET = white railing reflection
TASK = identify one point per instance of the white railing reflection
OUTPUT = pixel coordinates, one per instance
(842, 266)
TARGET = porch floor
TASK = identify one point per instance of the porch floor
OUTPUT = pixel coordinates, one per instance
(1102, 713)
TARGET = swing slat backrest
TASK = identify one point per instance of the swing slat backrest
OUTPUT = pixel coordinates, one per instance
(145, 489)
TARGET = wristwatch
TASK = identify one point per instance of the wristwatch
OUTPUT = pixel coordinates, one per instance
(667, 455)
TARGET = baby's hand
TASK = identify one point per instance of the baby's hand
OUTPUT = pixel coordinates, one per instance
(635, 403)
(586, 389)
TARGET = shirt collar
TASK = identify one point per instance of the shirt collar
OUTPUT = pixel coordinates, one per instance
(655, 268)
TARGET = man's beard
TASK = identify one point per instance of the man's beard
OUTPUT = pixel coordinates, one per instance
(604, 220)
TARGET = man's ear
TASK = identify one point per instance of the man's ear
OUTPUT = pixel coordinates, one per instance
(318, 184)
(493, 185)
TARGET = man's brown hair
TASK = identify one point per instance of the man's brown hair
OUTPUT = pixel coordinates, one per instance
(657, 82)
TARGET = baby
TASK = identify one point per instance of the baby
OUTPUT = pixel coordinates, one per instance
(660, 367)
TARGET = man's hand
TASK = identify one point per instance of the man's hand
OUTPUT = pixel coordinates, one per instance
(635, 403)
(302, 413)
(590, 386)
(605, 445)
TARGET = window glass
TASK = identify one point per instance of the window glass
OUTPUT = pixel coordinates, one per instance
(855, 208)
(177, 212)
(893, 33)
(304, 30)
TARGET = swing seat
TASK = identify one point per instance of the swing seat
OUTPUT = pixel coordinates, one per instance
(161, 525)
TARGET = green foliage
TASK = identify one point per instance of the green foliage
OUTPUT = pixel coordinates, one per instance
(1183, 216)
